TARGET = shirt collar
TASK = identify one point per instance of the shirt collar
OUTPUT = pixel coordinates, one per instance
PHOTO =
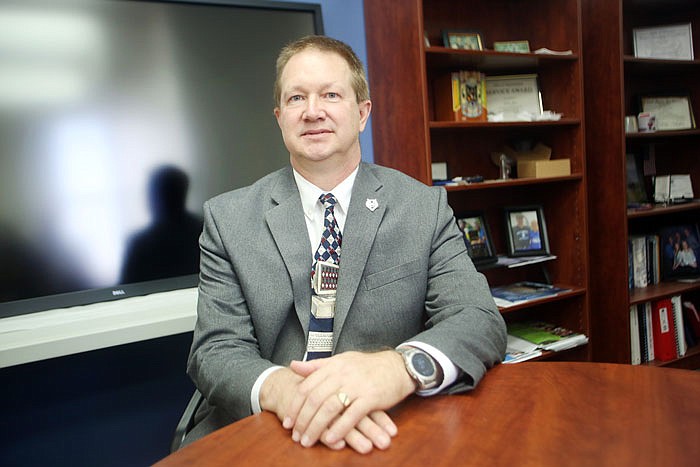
(310, 193)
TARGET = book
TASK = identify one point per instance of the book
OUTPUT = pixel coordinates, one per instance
(642, 332)
(681, 345)
(518, 261)
(546, 51)
(521, 292)
(638, 272)
(663, 331)
(635, 347)
(691, 319)
(547, 336)
(519, 350)
(653, 259)
(461, 96)
(648, 333)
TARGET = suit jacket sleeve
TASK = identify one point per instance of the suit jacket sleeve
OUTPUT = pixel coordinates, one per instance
(463, 320)
(225, 359)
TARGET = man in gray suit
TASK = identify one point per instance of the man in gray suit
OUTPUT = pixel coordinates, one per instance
(411, 313)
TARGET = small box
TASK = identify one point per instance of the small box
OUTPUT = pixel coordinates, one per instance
(544, 168)
(439, 170)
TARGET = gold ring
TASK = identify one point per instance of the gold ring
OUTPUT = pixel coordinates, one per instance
(344, 399)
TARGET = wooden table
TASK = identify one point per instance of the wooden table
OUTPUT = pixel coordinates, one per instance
(526, 414)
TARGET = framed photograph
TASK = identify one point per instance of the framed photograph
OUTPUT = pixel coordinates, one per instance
(477, 237)
(522, 47)
(513, 95)
(439, 170)
(672, 111)
(672, 42)
(526, 231)
(680, 250)
(463, 40)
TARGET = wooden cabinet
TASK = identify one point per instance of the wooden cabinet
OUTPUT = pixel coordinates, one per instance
(614, 81)
(407, 136)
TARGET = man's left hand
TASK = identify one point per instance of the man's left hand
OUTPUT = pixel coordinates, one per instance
(339, 392)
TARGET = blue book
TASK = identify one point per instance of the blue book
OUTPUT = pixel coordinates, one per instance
(519, 292)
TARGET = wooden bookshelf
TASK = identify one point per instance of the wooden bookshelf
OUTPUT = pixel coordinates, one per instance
(614, 79)
(408, 136)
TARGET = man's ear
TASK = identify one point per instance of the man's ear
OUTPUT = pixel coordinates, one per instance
(365, 109)
(276, 111)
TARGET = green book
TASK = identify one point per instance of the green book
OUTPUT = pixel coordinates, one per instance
(538, 332)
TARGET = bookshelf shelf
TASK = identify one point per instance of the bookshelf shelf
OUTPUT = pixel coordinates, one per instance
(659, 135)
(489, 60)
(574, 292)
(664, 289)
(691, 361)
(659, 210)
(435, 125)
(404, 74)
(515, 182)
(607, 27)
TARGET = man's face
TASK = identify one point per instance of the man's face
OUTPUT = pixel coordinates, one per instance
(318, 112)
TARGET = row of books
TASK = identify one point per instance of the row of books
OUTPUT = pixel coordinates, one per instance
(643, 260)
(662, 329)
(528, 340)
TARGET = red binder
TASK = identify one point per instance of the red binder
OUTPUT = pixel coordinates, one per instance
(664, 332)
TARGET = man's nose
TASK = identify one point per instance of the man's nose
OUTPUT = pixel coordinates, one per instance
(314, 108)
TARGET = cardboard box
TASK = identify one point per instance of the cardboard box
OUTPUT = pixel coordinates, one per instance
(544, 168)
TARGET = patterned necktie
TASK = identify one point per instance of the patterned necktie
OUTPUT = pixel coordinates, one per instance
(326, 261)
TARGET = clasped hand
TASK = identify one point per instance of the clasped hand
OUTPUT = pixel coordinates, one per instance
(340, 401)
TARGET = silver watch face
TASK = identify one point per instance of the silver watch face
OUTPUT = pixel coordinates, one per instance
(422, 364)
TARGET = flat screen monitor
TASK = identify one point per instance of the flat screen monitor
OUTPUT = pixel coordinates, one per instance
(118, 119)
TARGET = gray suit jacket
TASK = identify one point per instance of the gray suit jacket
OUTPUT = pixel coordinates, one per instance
(404, 275)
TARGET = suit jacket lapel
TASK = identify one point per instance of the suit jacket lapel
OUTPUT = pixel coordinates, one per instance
(288, 228)
(358, 237)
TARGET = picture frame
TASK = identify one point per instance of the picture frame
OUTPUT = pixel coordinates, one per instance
(462, 39)
(477, 237)
(439, 171)
(679, 252)
(636, 187)
(669, 42)
(513, 95)
(526, 231)
(512, 46)
(673, 111)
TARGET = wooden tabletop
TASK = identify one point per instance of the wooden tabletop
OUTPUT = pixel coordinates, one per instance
(526, 414)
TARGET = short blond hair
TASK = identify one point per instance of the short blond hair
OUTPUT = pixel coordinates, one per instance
(324, 44)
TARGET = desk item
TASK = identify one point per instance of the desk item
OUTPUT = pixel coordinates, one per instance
(531, 413)
(670, 112)
(646, 122)
(673, 188)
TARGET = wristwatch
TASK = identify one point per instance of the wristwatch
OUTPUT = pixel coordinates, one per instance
(421, 367)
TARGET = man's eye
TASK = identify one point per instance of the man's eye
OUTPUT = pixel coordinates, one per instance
(296, 98)
(333, 95)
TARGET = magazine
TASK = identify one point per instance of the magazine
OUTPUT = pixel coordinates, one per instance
(521, 292)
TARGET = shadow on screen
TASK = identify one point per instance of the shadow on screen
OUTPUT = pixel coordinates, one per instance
(169, 246)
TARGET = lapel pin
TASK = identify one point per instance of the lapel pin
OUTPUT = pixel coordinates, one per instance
(372, 204)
